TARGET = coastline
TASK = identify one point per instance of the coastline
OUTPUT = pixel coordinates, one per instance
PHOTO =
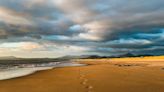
(17, 73)
(101, 75)
(21, 72)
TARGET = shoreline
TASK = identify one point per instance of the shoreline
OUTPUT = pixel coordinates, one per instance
(22, 72)
(98, 76)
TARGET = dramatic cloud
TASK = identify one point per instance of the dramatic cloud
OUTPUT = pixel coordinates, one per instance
(66, 27)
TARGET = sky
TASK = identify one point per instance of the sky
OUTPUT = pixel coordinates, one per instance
(54, 28)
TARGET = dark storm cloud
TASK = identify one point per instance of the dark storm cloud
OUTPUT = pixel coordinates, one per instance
(101, 26)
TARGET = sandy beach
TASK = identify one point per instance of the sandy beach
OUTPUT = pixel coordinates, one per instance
(100, 75)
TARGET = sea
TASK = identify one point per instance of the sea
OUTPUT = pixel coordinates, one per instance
(20, 70)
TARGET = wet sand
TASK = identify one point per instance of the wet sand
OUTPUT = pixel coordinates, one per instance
(101, 75)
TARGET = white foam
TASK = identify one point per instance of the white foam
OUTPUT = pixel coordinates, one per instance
(20, 72)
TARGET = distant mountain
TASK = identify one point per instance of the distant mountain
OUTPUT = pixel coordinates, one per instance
(8, 58)
(127, 55)
(74, 57)
(84, 57)
(132, 55)
(97, 56)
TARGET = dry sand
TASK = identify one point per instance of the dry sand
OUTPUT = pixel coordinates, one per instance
(101, 75)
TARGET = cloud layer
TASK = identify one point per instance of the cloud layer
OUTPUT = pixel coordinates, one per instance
(63, 27)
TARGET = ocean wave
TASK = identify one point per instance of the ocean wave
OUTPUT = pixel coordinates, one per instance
(20, 72)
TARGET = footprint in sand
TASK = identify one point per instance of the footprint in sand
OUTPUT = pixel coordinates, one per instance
(82, 76)
(125, 65)
(85, 82)
(90, 87)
